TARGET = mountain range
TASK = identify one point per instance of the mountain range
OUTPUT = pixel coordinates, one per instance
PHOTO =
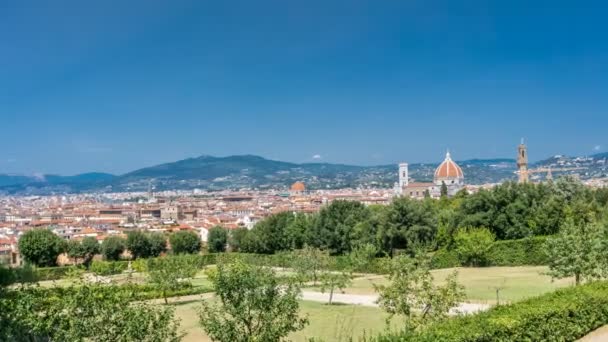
(254, 172)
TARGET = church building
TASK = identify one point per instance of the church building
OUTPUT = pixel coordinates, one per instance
(448, 173)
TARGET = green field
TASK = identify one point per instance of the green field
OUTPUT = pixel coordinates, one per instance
(480, 284)
(332, 323)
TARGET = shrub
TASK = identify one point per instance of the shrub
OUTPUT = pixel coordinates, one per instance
(528, 251)
(473, 245)
(563, 315)
(105, 268)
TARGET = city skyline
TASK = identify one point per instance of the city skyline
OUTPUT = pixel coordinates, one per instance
(113, 87)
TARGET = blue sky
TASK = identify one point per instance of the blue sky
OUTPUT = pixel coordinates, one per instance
(117, 85)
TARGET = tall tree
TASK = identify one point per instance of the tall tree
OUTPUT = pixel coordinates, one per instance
(41, 247)
(217, 239)
(90, 248)
(334, 228)
(113, 247)
(138, 244)
(185, 242)
(252, 305)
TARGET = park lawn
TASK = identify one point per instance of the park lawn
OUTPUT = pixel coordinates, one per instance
(331, 323)
(480, 283)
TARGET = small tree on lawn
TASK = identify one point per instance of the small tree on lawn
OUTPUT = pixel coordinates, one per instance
(113, 247)
(308, 263)
(577, 251)
(332, 281)
(185, 242)
(412, 294)
(217, 239)
(473, 245)
(41, 247)
(252, 305)
(171, 273)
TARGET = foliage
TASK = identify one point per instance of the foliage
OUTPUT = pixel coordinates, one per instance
(411, 289)
(577, 251)
(473, 244)
(253, 305)
(113, 247)
(237, 239)
(105, 268)
(334, 228)
(564, 315)
(362, 257)
(308, 262)
(142, 245)
(82, 313)
(410, 224)
(217, 239)
(171, 273)
(270, 234)
(158, 244)
(41, 247)
(331, 281)
(527, 251)
(185, 242)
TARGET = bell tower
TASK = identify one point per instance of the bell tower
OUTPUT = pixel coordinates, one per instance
(522, 162)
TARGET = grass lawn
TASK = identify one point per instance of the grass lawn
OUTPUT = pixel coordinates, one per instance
(331, 323)
(480, 283)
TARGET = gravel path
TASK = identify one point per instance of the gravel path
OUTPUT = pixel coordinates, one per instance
(599, 335)
(370, 300)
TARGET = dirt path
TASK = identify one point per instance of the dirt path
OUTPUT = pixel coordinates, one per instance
(599, 335)
(370, 300)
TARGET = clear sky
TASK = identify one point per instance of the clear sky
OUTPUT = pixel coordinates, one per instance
(118, 85)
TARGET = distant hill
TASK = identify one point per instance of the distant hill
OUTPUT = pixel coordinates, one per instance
(254, 172)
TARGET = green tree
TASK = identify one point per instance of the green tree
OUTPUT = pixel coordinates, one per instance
(334, 228)
(185, 242)
(362, 257)
(75, 250)
(113, 247)
(411, 288)
(138, 244)
(473, 244)
(237, 239)
(217, 239)
(444, 189)
(90, 248)
(577, 251)
(270, 235)
(332, 281)
(308, 263)
(410, 224)
(158, 244)
(171, 273)
(252, 305)
(41, 247)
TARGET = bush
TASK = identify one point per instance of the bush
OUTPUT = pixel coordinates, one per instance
(529, 251)
(104, 268)
(563, 315)
(444, 258)
(473, 245)
(51, 273)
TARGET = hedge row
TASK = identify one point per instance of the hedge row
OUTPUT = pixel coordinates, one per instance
(523, 252)
(564, 315)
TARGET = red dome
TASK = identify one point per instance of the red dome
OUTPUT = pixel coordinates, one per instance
(298, 186)
(448, 169)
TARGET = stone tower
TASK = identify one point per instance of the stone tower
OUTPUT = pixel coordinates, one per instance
(403, 175)
(522, 162)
